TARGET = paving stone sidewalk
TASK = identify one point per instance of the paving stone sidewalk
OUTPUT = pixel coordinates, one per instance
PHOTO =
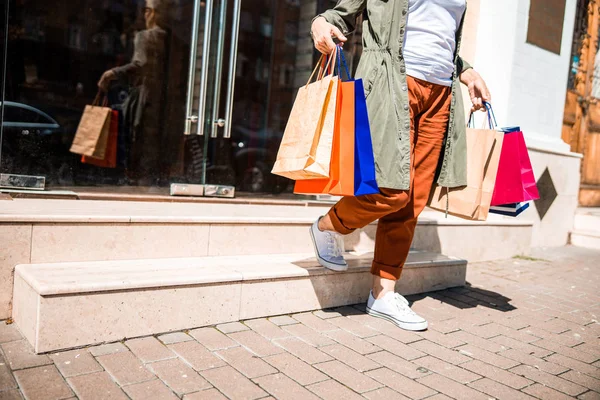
(521, 329)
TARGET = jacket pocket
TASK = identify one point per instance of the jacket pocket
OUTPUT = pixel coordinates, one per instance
(371, 78)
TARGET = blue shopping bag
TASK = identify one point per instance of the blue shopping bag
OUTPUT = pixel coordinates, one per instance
(364, 160)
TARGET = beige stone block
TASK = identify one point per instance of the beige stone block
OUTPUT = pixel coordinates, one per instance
(256, 343)
(20, 355)
(97, 385)
(109, 348)
(296, 369)
(423, 279)
(42, 383)
(554, 229)
(564, 170)
(111, 316)
(9, 332)
(152, 390)
(259, 239)
(6, 379)
(99, 242)
(179, 376)
(303, 350)
(349, 377)
(246, 362)
(196, 355)
(25, 308)
(149, 349)
(210, 394)
(280, 386)
(266, 328)
(212, 338)
(16, 249)
(320, 291)
(75, 362)
(475, 242)
(233, 384)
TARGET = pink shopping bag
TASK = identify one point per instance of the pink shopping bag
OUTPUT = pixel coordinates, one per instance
(515, 182)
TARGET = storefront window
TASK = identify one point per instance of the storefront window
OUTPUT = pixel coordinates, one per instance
(140, 52)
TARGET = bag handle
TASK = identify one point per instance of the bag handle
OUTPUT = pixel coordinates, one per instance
(100, 96)
(491, 117)
(328, 67)
(342, 60)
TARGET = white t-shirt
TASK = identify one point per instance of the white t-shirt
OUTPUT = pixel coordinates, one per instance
(430, 39)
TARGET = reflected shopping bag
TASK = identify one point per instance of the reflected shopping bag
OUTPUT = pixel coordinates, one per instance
(110, 156)
(341, 178)
(483, 157)
(305, 150)
(515, 182)
(93, 130)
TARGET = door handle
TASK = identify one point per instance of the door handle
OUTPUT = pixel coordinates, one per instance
(219, 71)
(235, 32)
(189, 118)
(199, 118)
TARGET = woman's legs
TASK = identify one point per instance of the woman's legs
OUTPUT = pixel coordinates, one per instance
(397, 211)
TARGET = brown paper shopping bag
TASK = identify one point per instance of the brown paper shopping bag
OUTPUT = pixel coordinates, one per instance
(473, 201)
(341, 177)
(305, 150)
(92, 133)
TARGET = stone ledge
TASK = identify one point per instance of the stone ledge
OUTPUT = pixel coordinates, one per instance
(67, 305)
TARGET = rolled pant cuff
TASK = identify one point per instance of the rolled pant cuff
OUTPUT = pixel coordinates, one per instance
(337, 224)
(386, 271)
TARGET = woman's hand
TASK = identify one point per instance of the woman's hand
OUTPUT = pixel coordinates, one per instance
(323, 32)
(105, 80)
(478, 90)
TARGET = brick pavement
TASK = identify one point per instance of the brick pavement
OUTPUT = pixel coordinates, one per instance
(521, 329)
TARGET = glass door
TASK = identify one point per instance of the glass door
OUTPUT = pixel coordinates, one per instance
(209, 104)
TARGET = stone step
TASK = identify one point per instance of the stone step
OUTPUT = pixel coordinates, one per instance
(67, 230)
(587, 219)
(66, 305)
(587, 239)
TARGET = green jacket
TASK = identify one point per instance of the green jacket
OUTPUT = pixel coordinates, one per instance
(384, 74)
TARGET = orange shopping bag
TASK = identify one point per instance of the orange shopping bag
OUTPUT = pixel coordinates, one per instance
(341, 178)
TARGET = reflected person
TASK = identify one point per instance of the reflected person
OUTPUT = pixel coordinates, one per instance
(144, 108)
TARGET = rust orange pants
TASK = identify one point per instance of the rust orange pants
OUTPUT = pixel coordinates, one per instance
(397, 211)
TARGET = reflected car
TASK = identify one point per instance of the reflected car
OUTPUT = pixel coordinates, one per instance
(255, 153)
(32, 142)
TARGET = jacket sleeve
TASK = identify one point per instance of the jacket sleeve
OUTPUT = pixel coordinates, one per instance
(462, 65)
(139, 59)
(343, 15)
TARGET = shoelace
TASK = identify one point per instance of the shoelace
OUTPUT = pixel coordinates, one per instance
(333, 245)
(402, 304)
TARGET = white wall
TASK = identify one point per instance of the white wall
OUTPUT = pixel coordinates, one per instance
(528, 84)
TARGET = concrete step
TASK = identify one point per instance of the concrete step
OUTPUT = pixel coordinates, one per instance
(66, 305)
(54, 231)
(587, 239)
(587, 219)
(67, 230)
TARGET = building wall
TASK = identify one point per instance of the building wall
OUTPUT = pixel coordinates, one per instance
(528, 86)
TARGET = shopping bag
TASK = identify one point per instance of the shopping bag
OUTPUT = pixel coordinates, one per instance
(483, 156)
(364, 160)
(306, 147)
(515, 182)
(110, 156)
(510, 210)
(341, 178)
(92, 133)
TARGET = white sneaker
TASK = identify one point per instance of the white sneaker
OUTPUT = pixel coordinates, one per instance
(329, 248)
(394, 307)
